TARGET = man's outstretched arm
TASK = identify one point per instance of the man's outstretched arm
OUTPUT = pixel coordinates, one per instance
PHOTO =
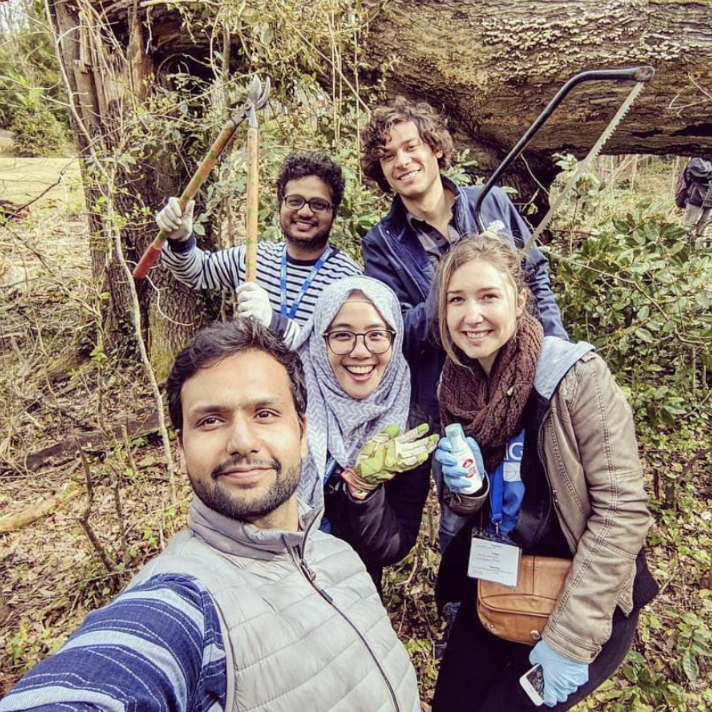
(157, 646)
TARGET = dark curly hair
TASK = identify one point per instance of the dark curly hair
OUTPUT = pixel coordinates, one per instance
(219, 341)
(302, 165)
(431, 127)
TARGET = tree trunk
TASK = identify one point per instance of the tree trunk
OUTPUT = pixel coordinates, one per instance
(106, 87)
(492, 67)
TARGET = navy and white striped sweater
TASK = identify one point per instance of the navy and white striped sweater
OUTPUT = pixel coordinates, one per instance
(155, 647)
(225, 269)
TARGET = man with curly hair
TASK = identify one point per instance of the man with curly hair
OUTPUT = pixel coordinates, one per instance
(405, 148)
(291, 274)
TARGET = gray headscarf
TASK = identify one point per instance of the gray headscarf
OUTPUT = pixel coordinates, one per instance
(339, 424)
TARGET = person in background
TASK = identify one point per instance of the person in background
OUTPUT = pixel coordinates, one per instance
(556, 439)
(693, 192)
(290, 274)
(370, 470)
(251, 607)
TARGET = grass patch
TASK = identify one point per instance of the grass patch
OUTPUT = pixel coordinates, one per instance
(22, 180)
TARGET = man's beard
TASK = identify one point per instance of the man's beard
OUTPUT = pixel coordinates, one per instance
(230, 505)
(308, 243)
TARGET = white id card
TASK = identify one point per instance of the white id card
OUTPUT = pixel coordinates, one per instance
(494, 561)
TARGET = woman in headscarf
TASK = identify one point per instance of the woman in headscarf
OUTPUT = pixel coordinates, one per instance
(370, 473)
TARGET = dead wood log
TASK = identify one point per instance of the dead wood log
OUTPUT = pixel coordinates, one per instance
(13, 522)
(93, 441)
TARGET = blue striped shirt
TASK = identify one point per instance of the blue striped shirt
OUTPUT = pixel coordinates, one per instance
(225, 269)
(155, 647)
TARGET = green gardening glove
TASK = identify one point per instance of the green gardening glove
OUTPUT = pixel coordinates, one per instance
(385, 455)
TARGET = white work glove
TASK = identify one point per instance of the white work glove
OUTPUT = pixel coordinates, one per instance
(253, 300)
(174, 225)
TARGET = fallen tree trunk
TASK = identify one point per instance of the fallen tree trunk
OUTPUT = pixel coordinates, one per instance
(93, 441)
(493, 66)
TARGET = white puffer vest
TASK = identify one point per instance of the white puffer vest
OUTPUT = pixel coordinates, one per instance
(303, 625)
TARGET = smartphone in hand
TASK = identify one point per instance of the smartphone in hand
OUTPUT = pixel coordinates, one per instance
(532, 682)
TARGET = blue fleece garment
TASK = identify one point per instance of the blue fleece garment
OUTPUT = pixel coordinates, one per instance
(510, 470)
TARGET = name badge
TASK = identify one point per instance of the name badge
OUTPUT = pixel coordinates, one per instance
(492, 559)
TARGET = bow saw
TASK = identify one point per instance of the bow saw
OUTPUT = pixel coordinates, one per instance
(640, 75)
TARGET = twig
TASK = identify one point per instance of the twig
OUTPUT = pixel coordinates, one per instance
(84, 519)
(699, 455)
(44, 192)
(699, 88)
(116, 491)
(669, 580)
(413, 569)
(151, 3)
(158, 300)
(129, 452)
(138, 333)
(302, 36)
(13, 522)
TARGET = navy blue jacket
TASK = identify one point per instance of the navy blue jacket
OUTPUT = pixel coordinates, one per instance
(392, 253)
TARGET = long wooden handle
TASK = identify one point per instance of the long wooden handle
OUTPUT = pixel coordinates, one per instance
(208, 163)
(253, 184)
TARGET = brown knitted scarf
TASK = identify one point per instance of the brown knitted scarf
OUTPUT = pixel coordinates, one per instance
(490, 409)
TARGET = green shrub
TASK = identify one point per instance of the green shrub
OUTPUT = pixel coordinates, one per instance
(39, 133)
(641, 295)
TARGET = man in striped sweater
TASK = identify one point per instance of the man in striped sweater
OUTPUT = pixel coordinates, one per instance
(290, 274)
(251, 607)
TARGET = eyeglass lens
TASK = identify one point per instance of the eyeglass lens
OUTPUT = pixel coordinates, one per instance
(316, 205)
(376, 341)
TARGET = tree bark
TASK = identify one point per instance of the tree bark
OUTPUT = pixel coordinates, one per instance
(493, 66)
(105, 84)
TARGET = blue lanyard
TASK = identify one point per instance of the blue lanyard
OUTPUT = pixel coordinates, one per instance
(497, 484)
(330, 465)
(307, 282)
(497, 496)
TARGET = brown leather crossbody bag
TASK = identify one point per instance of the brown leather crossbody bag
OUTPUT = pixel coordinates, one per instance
(520, 613)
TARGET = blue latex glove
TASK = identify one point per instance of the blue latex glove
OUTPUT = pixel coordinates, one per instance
(562, 676)
(456, 477)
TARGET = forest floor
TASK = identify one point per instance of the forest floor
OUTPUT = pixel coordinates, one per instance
(85, 498)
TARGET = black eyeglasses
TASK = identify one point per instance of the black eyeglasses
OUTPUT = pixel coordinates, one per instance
(342, 342)
(316, 205)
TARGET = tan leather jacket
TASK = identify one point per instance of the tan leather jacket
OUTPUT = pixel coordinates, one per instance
(591, 459)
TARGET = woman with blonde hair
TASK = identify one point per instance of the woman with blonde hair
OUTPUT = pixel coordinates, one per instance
(556, 439)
